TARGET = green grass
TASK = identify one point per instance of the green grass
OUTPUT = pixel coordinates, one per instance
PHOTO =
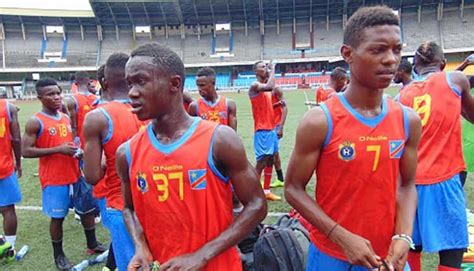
(34, 226)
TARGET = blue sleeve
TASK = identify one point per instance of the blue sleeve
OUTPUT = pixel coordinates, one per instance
(329, 121)
(210, 159)
(452, 86)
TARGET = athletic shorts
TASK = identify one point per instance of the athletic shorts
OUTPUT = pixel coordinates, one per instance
(441, 221)
(265, 143)
(122, 243)
(57, 199)
(278, 139)
(9, 190)
(102, 205)
(319, 261)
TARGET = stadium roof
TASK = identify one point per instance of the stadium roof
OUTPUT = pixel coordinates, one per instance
(204, 12)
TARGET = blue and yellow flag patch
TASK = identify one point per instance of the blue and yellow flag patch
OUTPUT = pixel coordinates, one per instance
(396, 148)
(197, 179)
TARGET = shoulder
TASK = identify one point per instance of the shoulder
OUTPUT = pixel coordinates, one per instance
(95, 117)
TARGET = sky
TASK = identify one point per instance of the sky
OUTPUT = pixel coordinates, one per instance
(82, 5)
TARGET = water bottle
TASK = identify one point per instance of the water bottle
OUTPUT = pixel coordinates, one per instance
(471, 58)
(77, 144)
(81, 266)
(22, 252)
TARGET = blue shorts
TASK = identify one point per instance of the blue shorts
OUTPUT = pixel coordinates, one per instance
(9, 190)
(102, 204)
(441, 221)
(319, 261)
(265, 143)
(122, 243)
(57, 199)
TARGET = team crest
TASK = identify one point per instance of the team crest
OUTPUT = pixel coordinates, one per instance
(197, 179)
(396, 148)
(347, 151)
(52, 131)
(142, 184)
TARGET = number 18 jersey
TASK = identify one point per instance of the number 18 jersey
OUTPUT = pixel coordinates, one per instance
(358, 170)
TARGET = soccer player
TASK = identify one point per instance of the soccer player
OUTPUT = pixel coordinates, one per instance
(215, 108)
(79, 104)
(175, 175)
(440, 98)
(48, 136)
(105, 128)
(10, 168)
(280, 110)
(337, 82)
(362, 146)
(265, 139)
(403, 75)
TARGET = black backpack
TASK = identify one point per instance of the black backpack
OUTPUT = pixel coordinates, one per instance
(246, 248)
(282, 246)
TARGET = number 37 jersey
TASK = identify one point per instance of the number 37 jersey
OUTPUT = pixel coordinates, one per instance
(358, 171)
(181, 200)
(438, 103)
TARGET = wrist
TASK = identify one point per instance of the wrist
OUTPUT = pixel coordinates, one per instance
(404, 238)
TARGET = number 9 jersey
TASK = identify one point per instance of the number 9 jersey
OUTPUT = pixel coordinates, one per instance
(180, 198)
(358, 171)
(438, 102)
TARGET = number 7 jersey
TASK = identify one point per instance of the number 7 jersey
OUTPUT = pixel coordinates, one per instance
(438, 102)
(180, 198)
(358, 171)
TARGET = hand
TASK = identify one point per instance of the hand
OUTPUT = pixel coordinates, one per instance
(142, 260)
(67, 149)
(280, 132)
(192, 262)
(469, 60)
(79, 154)
(397, 255)
(19, 171)
(358, 250)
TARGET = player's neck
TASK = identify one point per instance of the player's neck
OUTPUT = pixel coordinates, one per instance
(212, 98)
(116, 95)
(170, 127)
(49, 111)
(406, 81)
(361, 97)
(427, 70)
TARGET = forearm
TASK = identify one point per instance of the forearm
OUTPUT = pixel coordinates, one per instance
(283, 116)
(462, 66)
(93, 174)
(252, 214)
(34, 152)
(134, 228)
(16, 145)
(406, 209)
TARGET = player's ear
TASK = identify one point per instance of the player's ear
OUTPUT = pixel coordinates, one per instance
(175, 83)
(346, 53)
(443, 64)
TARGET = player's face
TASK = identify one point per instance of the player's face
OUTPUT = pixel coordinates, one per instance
(261, 70)
(50, 97)
(398, 78)
(340, 84)
(374, 62)
(149, 87)
(206, 86)
(91, 87)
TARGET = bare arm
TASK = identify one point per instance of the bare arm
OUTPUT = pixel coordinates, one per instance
(284, 113)
(193, 109)
(142, 257)
(301, 166)
(70, 105)
(467, 62)
(94, 124)
(467, 102)
(232, 114)
(29, 150)
(15, 137)
(406, 194)
(230, 158)
(187, 99)
(268, 86)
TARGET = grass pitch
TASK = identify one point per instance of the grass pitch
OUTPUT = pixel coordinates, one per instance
(33, 226)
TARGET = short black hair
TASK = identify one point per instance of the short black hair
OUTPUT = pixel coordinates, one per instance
(428, 53)
(338, 73)
(101, 75)
(81, 75)
(405, 66)
(364, 18)
(166, 59)
(116, 60)
(256, 63)
(47, 81)
(206, 72)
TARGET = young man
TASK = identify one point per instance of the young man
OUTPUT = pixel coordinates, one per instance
(337, 82)
(280, 110)
(105, 129)
(403, 75)
(48, 136)
(265, 139)
(10, 170)
(440, 98)
(175, 175)
(79, 104)
(215, 108)
(362, 146)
